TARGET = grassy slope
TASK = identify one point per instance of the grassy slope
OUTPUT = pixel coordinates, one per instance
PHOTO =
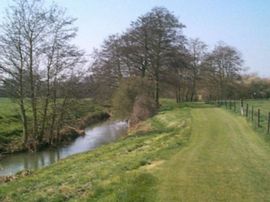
(225, 161)
(122, 171)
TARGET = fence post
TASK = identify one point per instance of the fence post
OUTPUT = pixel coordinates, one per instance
(252, 112)
(226, 103)
(230, 105)
(259, 118)
(268, 123)
(242, 108)
(234, 106)
(247, 110)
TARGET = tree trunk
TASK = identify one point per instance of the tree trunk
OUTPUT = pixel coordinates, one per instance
(193, 91)
(24, 121)
(45, 110)
(157, 90)
(60, 120)
(52, 126)
(21, 98)
(32, 89)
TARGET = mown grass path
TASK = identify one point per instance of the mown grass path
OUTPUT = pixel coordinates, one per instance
(224, 161)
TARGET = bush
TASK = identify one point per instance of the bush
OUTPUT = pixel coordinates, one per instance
(134, 95)
(143, 108)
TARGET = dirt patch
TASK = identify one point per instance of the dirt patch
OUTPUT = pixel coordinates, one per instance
(4, 179)
(139, 128)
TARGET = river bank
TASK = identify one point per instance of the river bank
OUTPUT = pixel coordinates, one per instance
(94, 137)
(121, 171)
(68, 133)
(82, 113)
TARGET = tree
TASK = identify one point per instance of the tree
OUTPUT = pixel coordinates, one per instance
(197, 50)
(143, 50)
(130, 90)
(36, 53)
(178, 73)
(136, 46)
(13, 58)
(222, 68)
(165, 35)
(108, 68)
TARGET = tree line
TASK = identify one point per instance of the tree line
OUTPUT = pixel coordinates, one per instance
(154, 48)
(40, 67)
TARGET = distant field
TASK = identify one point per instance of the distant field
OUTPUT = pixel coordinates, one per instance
(264, 105)
(7, 107)
(248, 105)
(10, 126)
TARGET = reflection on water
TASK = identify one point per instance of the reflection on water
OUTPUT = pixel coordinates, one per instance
(95, 137)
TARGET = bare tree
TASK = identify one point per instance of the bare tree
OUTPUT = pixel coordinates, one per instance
(108, 67)
(13, 59)
(145, 50)
(197, 50)
(37, 53)
(166, 34)
(223, 67)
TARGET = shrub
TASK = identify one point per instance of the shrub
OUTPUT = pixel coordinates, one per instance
(133, 94)
(143, 108)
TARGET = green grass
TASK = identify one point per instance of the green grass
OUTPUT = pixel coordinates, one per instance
(121, 171)
(10, 126)
(262, 104)
(225, 161)
(187, 152)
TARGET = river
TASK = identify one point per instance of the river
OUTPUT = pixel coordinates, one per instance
(95, 136)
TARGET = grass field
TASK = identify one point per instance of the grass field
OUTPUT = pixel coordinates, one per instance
(263, 105)
(225, 161)
(185, 153)
(10, 126)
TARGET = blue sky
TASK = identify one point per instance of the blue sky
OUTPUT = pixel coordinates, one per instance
(244, 24)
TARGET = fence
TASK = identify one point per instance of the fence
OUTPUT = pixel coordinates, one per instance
(260, 118)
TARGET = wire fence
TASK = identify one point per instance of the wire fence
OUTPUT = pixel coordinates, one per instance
(260, 118)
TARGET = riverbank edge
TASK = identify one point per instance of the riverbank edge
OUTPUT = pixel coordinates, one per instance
(67, 134)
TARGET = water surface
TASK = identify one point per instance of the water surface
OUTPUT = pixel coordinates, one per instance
(96, 136)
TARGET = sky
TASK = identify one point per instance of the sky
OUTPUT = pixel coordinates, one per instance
(244, 24)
